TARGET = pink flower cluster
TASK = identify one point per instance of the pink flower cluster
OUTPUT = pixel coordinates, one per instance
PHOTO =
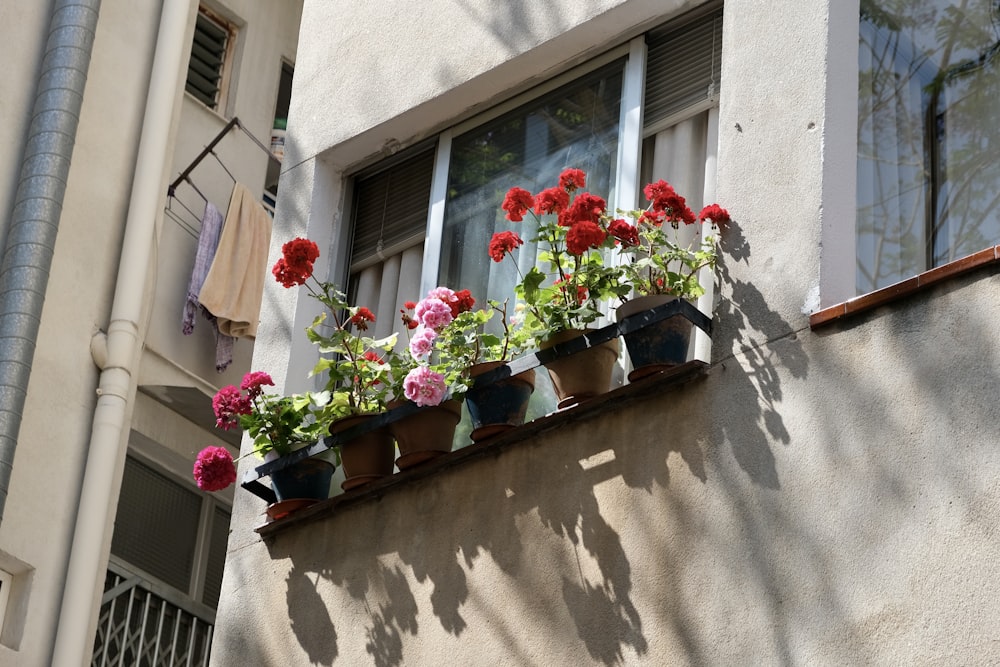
(214, 469)
(229, 402)
(424, 386)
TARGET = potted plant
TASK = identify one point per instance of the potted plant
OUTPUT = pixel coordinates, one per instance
(358, 369)
(565, 295)
(660, 266)
(435, 378)
(473, 343)
(278, 425)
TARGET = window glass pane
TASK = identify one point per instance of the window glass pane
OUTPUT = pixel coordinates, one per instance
(574, 126)
(928, 135)
(156, 527)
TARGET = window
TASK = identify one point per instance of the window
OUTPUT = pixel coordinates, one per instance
(210, 65)
(928, 137)
(171, 532)
(424, 217)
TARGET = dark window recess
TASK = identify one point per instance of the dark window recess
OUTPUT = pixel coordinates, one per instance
(208, 59)
(156, 527)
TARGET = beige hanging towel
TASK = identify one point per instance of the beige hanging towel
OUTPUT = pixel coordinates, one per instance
(234, 286)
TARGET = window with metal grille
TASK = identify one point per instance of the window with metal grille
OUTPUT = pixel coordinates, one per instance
(209, 66)
(171, 532)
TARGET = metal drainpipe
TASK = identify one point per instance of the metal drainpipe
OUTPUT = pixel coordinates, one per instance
(31, 238)
(116, 387)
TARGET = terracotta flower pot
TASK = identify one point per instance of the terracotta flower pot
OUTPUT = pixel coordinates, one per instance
(366, 458)
(498, 406)
(584, 375)
(426, 434)
(660, 345)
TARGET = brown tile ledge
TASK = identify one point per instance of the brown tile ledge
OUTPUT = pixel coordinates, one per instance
(607, 402)
(905, 288)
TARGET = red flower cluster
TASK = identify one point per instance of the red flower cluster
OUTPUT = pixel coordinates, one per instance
(551, 200)
(296, 263)
(626, 233)
(214, 469)
(463, 302)
(581, 291)
(571, 179)
(502, 243)
(516, 203)
(665, 200)
(582, 236)
(715, 213)
(585, 208)
(361, 318)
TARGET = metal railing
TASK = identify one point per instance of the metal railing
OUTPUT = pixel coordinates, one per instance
(138, 627)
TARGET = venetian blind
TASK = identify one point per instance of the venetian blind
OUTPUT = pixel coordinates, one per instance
(683, 67)
(390, 209)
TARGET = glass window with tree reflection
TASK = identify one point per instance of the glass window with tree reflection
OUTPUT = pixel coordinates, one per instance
(928, 135)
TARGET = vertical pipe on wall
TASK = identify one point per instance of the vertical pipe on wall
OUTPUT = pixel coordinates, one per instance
(31, 239)
(87, 559)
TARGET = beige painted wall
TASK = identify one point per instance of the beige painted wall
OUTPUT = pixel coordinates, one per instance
(822, 497)
(48, 468)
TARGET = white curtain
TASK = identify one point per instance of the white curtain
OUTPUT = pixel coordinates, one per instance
(684, 155)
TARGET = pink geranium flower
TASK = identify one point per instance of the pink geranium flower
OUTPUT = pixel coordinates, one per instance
(214, 469)
(424, 387)
(422, 343)
(433, 312)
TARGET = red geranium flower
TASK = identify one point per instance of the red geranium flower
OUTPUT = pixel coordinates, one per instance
(516, 203)
(296, 263)
(463, 303)
(583, 236)
(551, 200)
(371, 355)
(585, 207)
(571, 179)
(361, 318)
(623, 231)
(658, 193)
(716, 214)
(502, 243)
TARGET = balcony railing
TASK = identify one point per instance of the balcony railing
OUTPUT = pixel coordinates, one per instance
(140, 627)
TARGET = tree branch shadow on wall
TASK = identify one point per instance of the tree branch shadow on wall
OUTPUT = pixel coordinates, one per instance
(747, 326)
(596, 595)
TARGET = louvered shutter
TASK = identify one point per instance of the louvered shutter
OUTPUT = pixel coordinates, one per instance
(683, 67)
(208, 59)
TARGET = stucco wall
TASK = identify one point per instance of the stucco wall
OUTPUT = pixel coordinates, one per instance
(821, 497)
(817, 499)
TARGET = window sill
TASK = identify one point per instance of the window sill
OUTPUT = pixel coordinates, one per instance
(602, 404)
(903, 289)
